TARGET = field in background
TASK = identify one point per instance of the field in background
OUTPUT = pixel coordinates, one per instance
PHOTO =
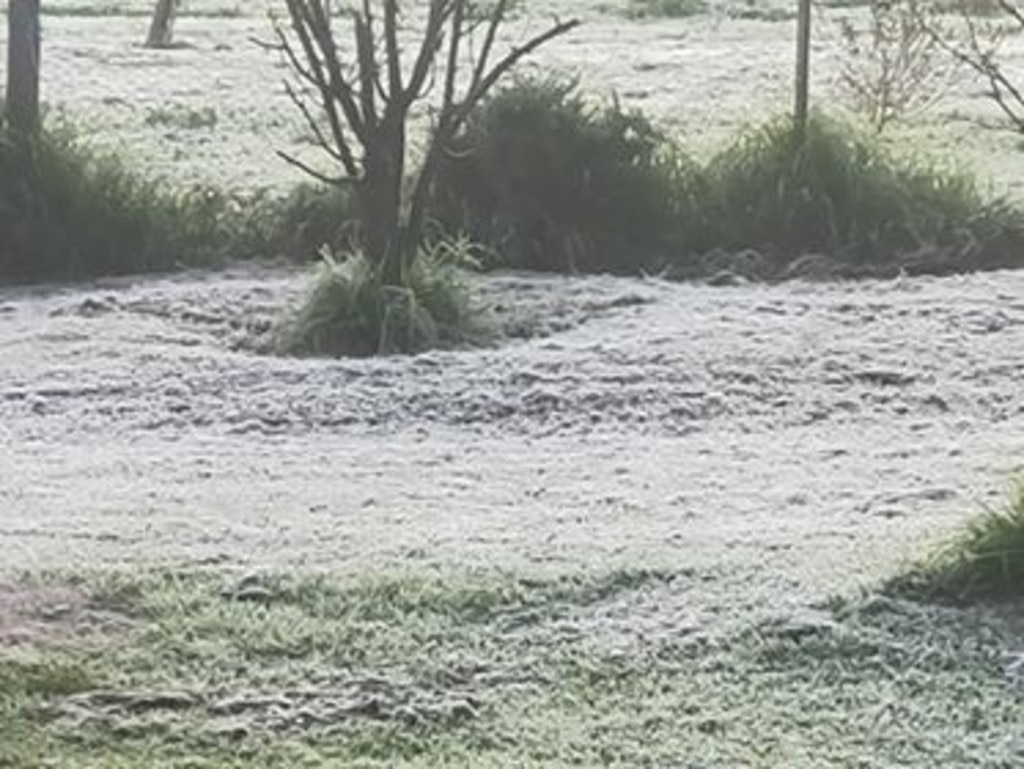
(215, 109)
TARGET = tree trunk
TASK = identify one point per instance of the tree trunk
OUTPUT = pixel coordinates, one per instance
(161, 29)
(803, 68)
(23, 66)
(380, 198)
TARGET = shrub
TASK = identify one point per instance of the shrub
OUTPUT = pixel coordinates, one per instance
(66, 213)
(840, 194)
(310, 218)
(672, 9)
(550, 182)
(986, 560)
(351, 310)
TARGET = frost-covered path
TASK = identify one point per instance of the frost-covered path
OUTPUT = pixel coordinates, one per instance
(791, 437)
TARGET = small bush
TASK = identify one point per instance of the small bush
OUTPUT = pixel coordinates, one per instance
(298, 226)
(840, 194)
(986, 560)
(351, 311)
(672, 9)
(549, 182)
(67, 213)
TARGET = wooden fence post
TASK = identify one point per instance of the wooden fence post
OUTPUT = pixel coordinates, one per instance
(803, 69)
(23, 66)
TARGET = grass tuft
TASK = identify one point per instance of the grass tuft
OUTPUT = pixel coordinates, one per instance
(67, 213)
(551, 182)
(984, 561)
(840, 194)
(352, 311)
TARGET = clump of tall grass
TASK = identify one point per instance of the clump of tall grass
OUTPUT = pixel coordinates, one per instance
(300, 225)
(551, 182)
(985, 560)
(352, 311)
(832, 191)
(671, 9)
(66, 213)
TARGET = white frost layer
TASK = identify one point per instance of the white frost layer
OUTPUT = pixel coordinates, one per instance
(792, 437)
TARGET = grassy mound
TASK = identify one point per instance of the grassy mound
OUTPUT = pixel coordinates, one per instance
(985, 561)
(352, 311)
(551, 182)
(67, 213)
(838, 193)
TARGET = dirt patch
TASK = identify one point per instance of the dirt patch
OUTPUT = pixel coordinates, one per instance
(33, 615)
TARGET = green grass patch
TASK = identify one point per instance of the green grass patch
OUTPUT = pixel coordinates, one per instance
(549, 181)
(491, 669)
(546, 180)
(665, 9)
(91, 10)
(984, 561)
(838, 193)
(351, 310)
(67, 213)
(382, 670)
(299, 226)
(183, 118)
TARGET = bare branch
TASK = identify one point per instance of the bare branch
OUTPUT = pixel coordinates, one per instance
(291, 160)
(335, 86)
(341, 152)
(433, 39)
(315, 76)
(454, 41)
(1012, 11)
(394, 54)
(450, 123)
(367, 68)
(980, 58)
(497, 16)
(480, 88)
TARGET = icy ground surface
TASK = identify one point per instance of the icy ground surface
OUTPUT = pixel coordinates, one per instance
(790, 441)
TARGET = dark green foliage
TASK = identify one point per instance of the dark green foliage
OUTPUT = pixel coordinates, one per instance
(552, 183)
(548, 182)
(836, 193)
(66, 213)
(673, 9)
(308, 219)
(986, 560)
(351, 310)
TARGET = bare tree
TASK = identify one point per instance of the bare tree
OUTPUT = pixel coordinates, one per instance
(23, 66)
(892, 66)
(364, 95)
(161, 28)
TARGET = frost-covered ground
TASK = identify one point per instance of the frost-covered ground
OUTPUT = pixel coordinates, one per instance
(702, 463)
(802, 433)
(795, 439)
